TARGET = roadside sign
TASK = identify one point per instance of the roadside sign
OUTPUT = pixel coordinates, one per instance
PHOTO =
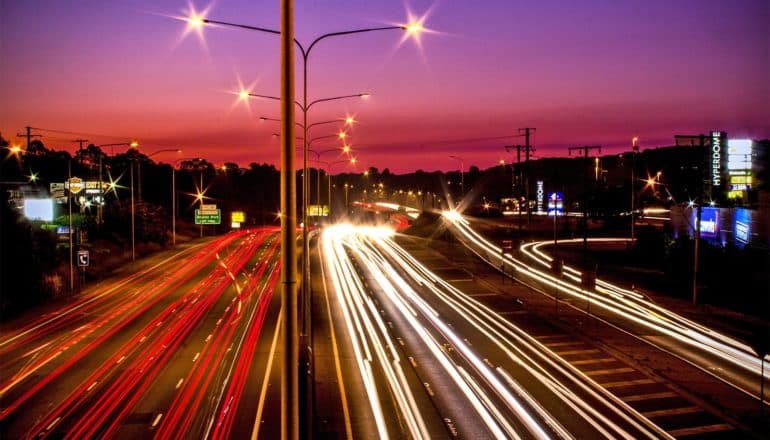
(208, 207)
(208, 217)
(83, 258)
(75, 185)
(238, 217)
(555, 204)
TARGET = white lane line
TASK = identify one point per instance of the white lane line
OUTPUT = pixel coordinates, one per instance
(265, 380)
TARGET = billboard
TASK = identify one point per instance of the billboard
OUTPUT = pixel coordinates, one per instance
(742, 227)
(318, 210)
(39, 209)
(540, 195)
(709, 222)
(555, 204)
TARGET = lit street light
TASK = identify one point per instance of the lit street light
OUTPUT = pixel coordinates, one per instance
(329, 177)
(173, 199)
(287, 37)
(139, 166)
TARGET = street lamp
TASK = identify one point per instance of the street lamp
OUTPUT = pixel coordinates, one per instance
(139, 166)
(173, 199)
(318, 154)
(413, 29)
(329, 177)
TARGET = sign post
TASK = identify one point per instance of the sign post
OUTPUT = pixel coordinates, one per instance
(83, 258)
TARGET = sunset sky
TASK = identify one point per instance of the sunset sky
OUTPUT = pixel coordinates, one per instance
(581, 72)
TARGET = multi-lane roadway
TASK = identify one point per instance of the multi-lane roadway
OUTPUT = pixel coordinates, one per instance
(168, 351)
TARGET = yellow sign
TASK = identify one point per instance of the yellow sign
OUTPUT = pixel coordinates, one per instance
(75, 185)
(238, 217)
(318, 210)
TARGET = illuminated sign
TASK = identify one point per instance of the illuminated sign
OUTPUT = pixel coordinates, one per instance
(540, 194)
(709, 222)
(742, 227)
(716, 158)
(555, 204)
(39, 209)
(235, 225)
(74, 184)
(238, 217)
(208, 216)
(318, 210)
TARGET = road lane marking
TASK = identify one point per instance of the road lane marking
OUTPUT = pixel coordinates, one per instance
(335, 350)
(561, 344)
(608, 371)
(701, 430)
(584, 351)
(650, 396)
(592, 361)
(157, 420)
(672, 411)
(265, 380)
(179, 384)
(626, 383)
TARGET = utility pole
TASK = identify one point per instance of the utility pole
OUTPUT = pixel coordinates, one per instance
(528, 148)
(81, 142)
(699, 213)
(634, 150)
(585, 149)
(518, 148)
(29, 135)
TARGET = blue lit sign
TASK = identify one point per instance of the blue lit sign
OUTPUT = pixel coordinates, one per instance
(555, 204)
(709, 222)
(742, 227)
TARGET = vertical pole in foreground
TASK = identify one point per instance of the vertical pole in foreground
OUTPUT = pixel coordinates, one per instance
(289, 377)
(173, 205)
(69, 209)
(133, 215)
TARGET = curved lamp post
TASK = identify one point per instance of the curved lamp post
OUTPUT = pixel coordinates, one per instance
(287, 91)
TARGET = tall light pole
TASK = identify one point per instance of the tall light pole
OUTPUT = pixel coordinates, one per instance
(173, 199)
(69, 209)
(133, 213)
(462, 176)
(318, 155)
(329, 177)
(139, 167)
(634, 150)
(287, 98)
(290, 378)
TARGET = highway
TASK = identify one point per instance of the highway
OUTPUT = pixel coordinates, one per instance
(726, 358)
(181, 347)
(448, 366)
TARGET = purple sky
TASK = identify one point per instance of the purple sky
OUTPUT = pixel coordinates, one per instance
(582, 72)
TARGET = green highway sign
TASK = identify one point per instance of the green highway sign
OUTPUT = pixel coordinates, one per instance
(208, 217)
